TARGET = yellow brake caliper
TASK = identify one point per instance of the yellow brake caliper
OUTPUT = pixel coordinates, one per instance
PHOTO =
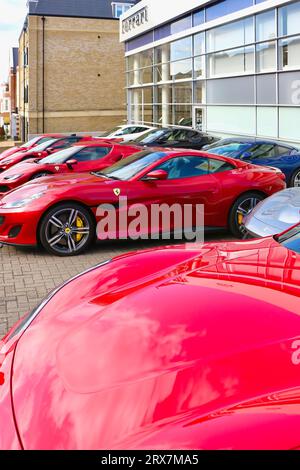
(79, 224)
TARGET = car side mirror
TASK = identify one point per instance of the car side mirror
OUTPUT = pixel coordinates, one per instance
(156, 175)
(119, 157)
(50, 150)
(71, 163)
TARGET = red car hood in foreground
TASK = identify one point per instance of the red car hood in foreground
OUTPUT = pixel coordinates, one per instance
(168, 349)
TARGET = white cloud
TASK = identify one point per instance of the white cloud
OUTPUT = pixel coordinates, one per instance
(12, 16)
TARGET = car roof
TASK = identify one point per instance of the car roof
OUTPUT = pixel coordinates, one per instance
(181, 128)
(254, 140)
(181, 152)
(52, 135)
(94, 143)
(134, 125)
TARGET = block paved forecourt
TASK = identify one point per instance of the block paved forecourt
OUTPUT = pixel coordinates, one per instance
(27, 275)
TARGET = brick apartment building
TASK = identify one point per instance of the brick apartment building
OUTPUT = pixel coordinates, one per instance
(71, 67)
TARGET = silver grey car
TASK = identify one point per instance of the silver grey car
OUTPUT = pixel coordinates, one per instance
(274, 214)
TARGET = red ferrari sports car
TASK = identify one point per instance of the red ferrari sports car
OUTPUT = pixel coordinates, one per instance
(60, 212)
(29, 145)
(163, 349)
(82, 157)
(41, 150)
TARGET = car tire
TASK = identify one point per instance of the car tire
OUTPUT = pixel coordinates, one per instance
(295, 179)
(243, 205)
(39, 175)
(67, 229)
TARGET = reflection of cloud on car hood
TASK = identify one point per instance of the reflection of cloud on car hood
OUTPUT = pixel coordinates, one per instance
(275, 214)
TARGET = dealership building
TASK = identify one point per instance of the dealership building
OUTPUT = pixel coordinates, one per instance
(229, 67)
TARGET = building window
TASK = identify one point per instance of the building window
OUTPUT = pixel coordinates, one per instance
(231, 35)
(26, 94)
(265, 26)
(119, 8)
(181, 25)
(240, 120)
(25, 57)
(181, 49)
(225, 7)
(267, 121)
(289, 19)
(289, 119)
(266, 56)
(199, 67)
(199, 44)
(289, 53)
(181, 69)
(232, 62)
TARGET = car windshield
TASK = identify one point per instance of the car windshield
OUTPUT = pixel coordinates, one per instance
(290, 239)
(131, 166)
(60, 157)
(44, 145)
(229, 149)
(31, 142)
(151, 136)
(111, 131)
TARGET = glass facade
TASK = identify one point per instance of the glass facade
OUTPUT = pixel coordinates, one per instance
(241, 77)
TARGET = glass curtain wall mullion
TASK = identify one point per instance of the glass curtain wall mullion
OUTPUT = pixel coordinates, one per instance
(255, 78)
(277, 75)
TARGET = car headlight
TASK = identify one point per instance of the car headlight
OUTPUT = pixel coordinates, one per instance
(6, 162)
(22, 202)
(12, 177)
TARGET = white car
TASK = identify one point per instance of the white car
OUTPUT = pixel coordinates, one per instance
(128, 132)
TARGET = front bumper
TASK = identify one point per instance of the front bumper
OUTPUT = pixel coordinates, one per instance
(18, 228)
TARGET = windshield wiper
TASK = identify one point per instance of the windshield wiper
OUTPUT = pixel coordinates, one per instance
(102, 175)
(113, 178)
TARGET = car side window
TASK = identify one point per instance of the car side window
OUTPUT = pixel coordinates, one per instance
(184, 167)
(127, 130)
(283, 151)
(219, 166)
(263, 151)
(192, 135)
(176, 135)
(60, 144)
(91, 153)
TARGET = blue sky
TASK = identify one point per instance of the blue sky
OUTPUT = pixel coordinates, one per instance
(12, 15)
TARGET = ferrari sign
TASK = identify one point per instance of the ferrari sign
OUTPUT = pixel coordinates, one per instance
(136, 20)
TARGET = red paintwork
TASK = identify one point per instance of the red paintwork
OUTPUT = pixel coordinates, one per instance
(32, 167)
(217, 192)
(32, 153)
(165, 349)
(7, 153)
